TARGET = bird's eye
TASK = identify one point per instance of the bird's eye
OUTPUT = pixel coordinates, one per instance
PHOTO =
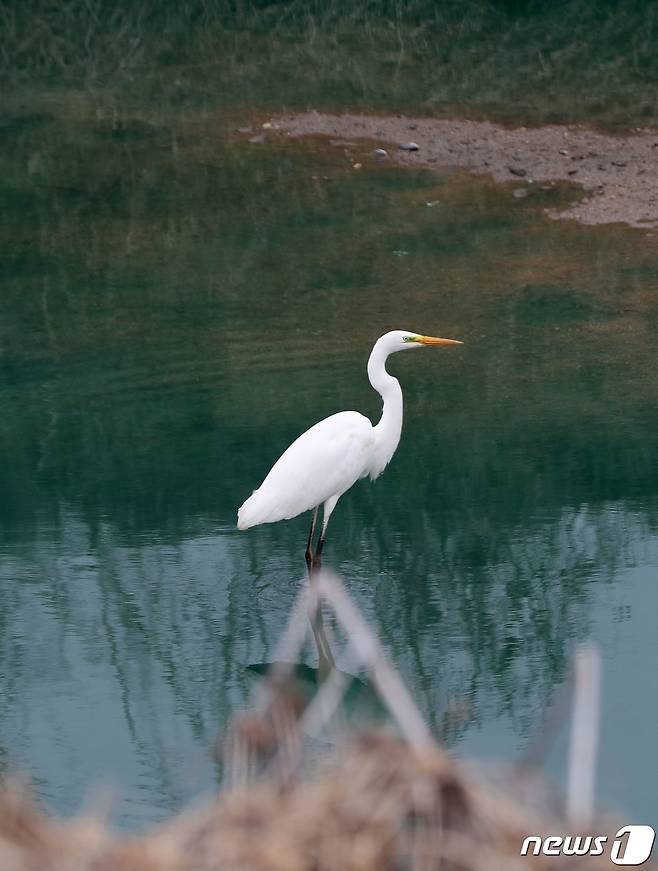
(407, 338)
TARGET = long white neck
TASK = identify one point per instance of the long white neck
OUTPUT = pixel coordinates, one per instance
(387, 431)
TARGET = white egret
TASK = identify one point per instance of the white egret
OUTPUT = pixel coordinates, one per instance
(331, 456)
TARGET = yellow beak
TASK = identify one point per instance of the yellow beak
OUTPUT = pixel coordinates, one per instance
(433, 340)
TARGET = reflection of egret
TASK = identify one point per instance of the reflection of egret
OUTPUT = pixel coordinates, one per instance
(331, 456)
(297, 684)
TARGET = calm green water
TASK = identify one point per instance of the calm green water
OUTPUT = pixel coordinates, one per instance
(176, 307)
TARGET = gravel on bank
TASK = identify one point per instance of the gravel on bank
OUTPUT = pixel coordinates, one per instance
(619, 174)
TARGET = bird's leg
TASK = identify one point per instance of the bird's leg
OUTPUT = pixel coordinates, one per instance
(329, 506)
(317, 559)
(309, 544)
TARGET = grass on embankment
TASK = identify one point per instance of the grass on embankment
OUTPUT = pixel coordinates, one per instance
(514, 61)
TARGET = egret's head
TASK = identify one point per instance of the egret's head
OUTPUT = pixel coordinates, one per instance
(401, 340)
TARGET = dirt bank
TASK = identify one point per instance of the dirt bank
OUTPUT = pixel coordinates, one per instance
(619, 174)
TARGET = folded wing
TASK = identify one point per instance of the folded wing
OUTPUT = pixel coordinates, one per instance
(324, 461)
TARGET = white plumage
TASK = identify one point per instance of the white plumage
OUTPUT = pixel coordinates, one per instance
(323, 462)
(331, 456)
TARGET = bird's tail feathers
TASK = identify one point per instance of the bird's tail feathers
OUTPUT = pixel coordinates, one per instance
(255, 510)
(246, 513)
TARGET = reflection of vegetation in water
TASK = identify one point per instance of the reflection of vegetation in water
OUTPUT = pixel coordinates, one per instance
(546, 304)
(516, 58)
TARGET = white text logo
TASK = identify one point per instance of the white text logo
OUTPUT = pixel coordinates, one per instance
(631, 845)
